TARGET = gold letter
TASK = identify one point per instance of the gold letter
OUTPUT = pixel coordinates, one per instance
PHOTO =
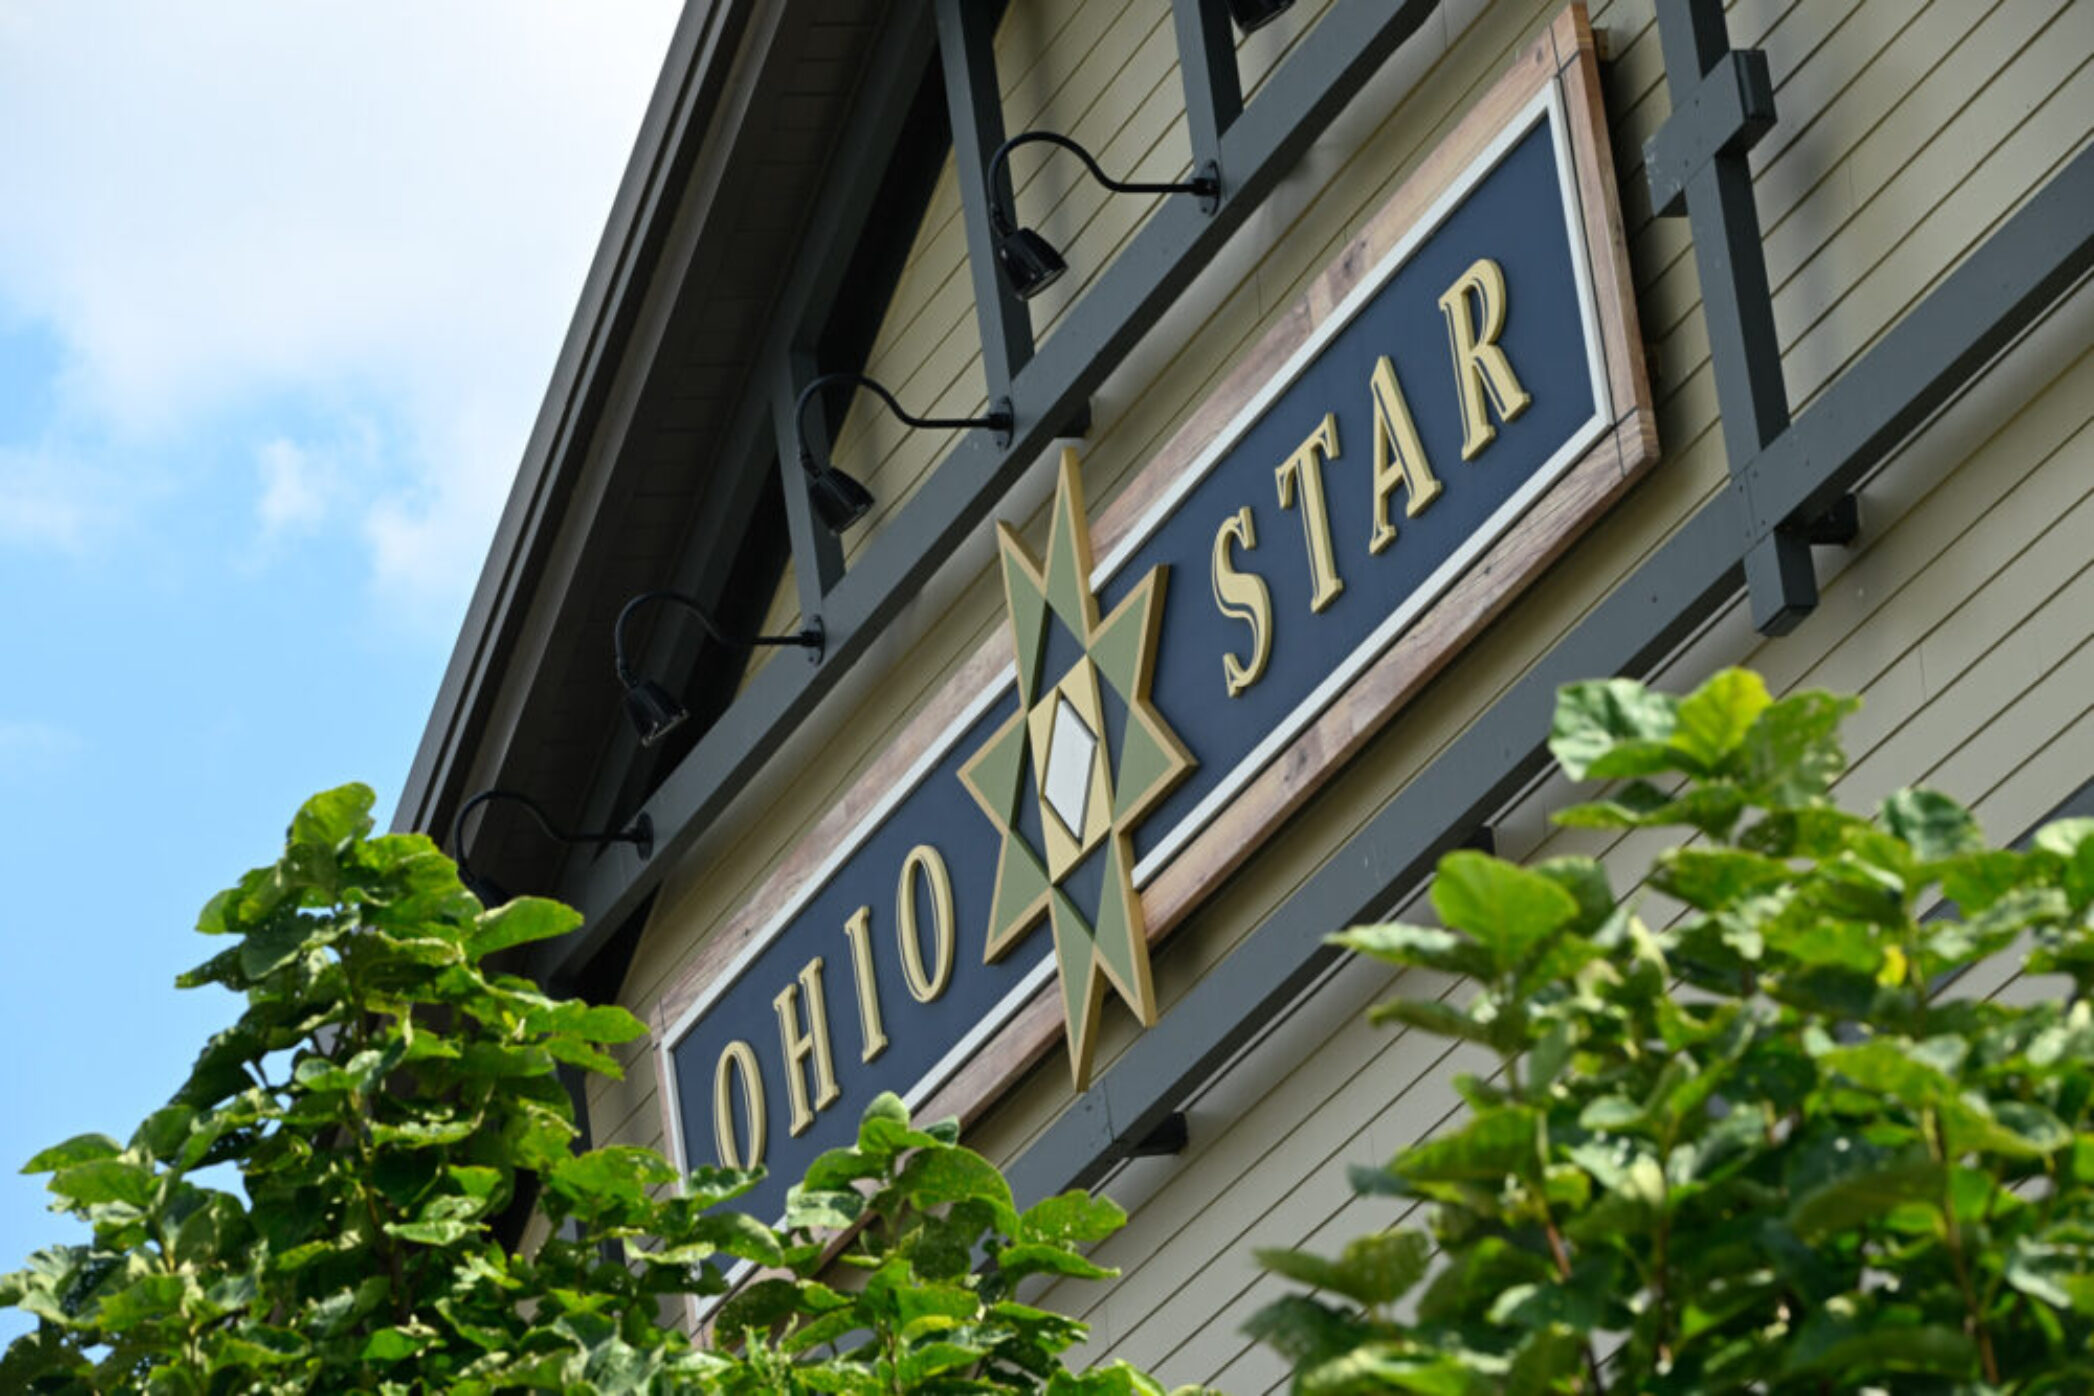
(1399, 456)
(859, 930)
(738, 1058)
(1305, 466)
(1480, 366)
(812, 1043)
(924, 985)
(1242, 596)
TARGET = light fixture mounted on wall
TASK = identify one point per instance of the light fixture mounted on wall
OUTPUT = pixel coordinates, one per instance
(1256, 14)
(653, 710)
(639, 833)
(1029, 261)
(841, 501)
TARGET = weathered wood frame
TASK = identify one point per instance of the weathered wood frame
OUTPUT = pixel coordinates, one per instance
(1563, 55)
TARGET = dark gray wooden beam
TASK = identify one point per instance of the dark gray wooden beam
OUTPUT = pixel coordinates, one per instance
(967, 49)
(1207, 70)
(817, 554)
(1723, 102)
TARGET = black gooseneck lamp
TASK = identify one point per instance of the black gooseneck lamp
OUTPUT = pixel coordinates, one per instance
(639, 833)
(1028, 260)
(1256, 14)
(653, 710)
(841, 501)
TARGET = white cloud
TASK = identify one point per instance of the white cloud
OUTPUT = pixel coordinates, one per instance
(298, 487)
(382, 210)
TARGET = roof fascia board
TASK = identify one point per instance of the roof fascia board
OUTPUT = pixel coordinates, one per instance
(622, 278)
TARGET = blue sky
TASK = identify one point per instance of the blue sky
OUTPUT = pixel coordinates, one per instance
(280, 290)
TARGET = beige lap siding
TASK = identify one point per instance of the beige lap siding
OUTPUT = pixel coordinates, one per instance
(1907, 132)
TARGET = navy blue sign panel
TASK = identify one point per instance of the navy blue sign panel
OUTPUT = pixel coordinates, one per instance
(1470, 364)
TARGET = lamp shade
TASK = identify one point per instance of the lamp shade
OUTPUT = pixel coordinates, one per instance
(1029, 261)
(653, 710)
(839, 500)
(1251, 14)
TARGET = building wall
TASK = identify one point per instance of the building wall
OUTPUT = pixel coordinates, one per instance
(1907, 132)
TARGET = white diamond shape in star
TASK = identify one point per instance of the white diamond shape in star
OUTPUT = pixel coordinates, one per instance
(1069, 753)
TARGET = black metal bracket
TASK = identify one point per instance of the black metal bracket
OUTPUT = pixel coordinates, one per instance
(1170, 1136)
(1838, 526)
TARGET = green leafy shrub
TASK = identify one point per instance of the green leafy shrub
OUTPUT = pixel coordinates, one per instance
(391, 1108)
(1766, 1148)
(941, 1249)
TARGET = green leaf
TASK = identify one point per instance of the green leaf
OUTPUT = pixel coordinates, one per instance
(1375, 1269)
(1716, 879)
(1712, 721)
(1486, 1148)
(1792, 754)
(1867, 1192)
(807, 1209)
(1072, 1216)
(1429, 1015)
(104, 1180)
(760, 1306)
(739, 1235)
(1586, 881)
(1306, 1332)
(1506, 908)
(1426, 946)
(594, 1022)
(333, 817)
(1833, 1343)
(1036, 1258)
(932, 1359)
(1611, 727)
(390, 1345)
(2056, 1275)
(1935, 826)
(619, 1172)
(81, 1148)
(949, 1173)
(519, 922)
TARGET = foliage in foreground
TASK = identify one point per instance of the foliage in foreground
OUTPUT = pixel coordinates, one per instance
(1768, 1148)
(390, 1106)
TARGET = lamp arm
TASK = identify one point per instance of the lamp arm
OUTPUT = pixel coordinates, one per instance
(999, 418)
(810, 638)
(639, 833)
(1206, 184)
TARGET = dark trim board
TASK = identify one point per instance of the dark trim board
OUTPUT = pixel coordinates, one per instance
(1921, 364)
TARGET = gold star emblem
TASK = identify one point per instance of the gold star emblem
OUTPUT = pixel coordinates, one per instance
(1090, 784)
